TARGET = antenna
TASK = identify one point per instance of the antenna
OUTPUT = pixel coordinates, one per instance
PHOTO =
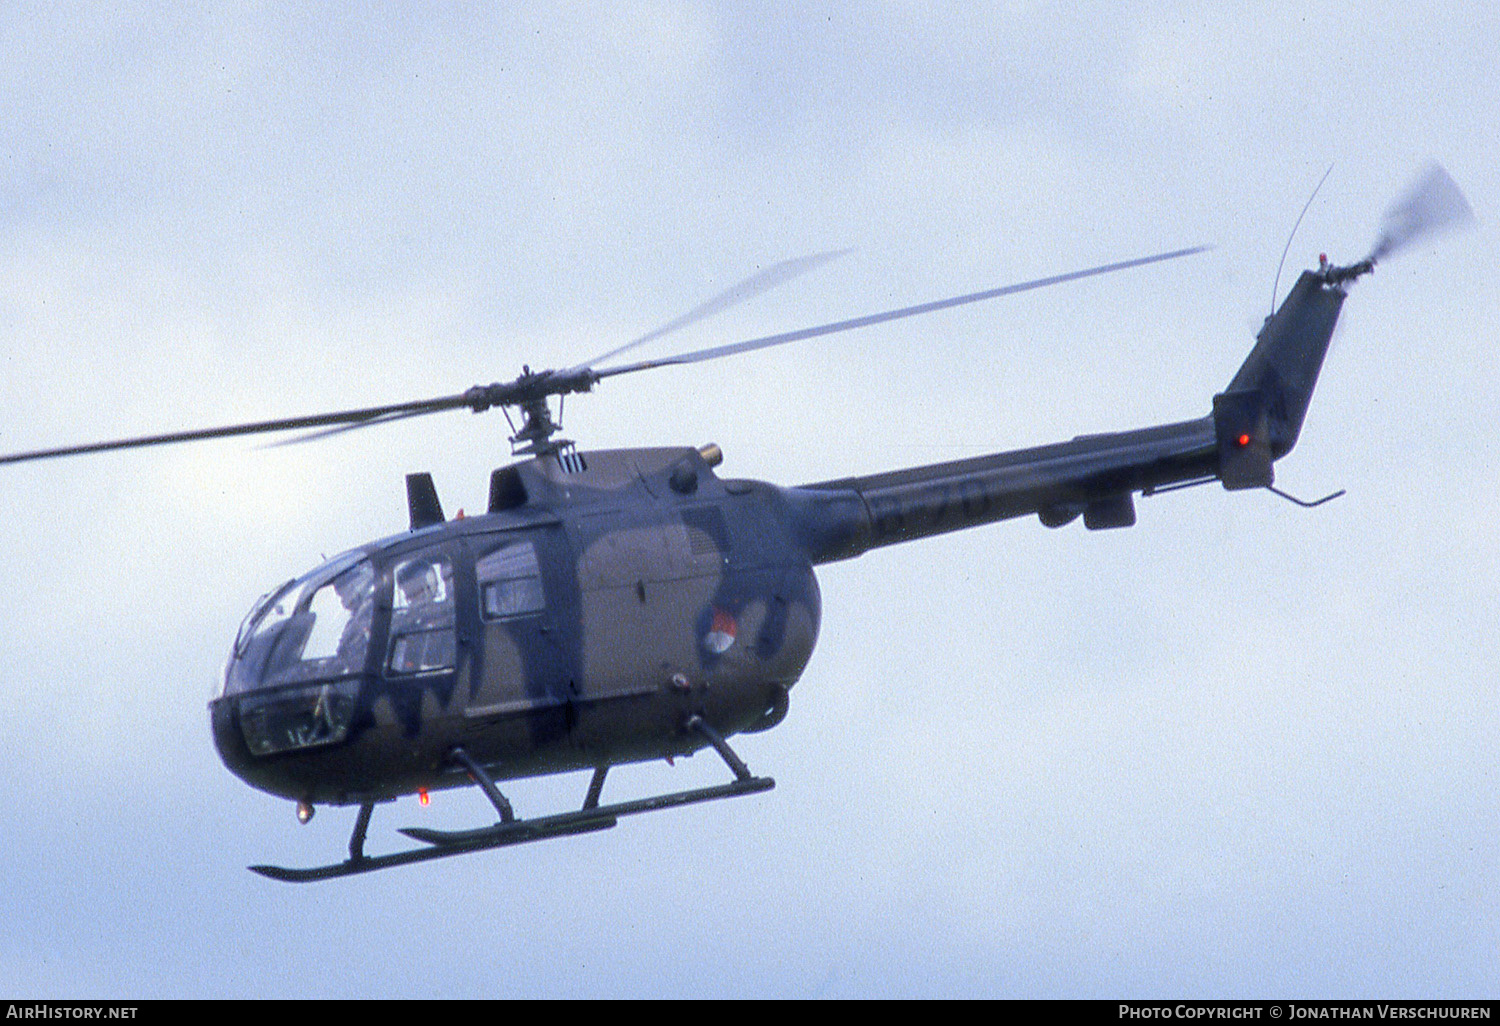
(1276, 283)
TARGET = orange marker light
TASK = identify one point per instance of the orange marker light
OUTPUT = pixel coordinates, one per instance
(422, 797)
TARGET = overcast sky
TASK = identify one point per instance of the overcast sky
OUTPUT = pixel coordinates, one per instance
(1240, 749)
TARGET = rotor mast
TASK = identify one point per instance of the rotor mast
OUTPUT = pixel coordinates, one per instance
(529, 394)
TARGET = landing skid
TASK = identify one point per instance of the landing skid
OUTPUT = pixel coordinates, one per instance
(510, 830)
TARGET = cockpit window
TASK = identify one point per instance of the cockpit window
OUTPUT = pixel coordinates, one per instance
(342, 611)
(422, 620)
(510, 581)
(313, 628)
(270, 609)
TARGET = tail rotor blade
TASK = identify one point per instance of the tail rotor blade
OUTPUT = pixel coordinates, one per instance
(1432, 205)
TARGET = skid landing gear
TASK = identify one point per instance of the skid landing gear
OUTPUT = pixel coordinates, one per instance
(511, 830)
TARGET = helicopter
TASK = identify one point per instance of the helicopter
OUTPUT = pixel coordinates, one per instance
(629, 605)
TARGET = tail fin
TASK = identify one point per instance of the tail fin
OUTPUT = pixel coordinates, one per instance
(1258, 417)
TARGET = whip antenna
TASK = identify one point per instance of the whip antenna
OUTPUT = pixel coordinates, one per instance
(1276, 282)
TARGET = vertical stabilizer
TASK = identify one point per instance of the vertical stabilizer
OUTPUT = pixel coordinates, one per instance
(1258, 417)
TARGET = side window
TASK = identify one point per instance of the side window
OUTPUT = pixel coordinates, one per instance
(510, 581)
(422, 615)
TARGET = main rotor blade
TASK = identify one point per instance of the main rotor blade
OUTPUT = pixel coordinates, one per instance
(339, 429)
(761, 281)
(890, 315)
(351, 417)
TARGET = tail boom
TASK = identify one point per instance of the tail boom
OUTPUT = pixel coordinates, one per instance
(1254, 422)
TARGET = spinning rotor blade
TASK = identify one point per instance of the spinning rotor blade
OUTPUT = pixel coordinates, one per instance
(532, 389)
(761, 281)
(384, 418)
(1433, 204)
(353, 418)
(889, 315)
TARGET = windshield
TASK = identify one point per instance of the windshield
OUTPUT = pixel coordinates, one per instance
(314, 628)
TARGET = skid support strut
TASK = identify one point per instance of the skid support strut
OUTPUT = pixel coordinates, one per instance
(361, 827)
(596, 785)
(480, 777)
(510, 830)
(736, 764)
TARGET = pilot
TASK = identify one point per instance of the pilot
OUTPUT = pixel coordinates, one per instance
(418, 584)
(422, 628)
(355, 592)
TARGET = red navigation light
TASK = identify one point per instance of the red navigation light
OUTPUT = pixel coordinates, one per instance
(1244, 440)
(422, 797)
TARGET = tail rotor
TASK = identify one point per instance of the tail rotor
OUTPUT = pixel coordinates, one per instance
(1432, 205)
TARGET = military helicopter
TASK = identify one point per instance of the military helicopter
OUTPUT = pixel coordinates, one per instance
(628, 605)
